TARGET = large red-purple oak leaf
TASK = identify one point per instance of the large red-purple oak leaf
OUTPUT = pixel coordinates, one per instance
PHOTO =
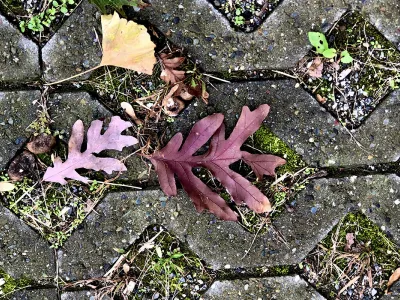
(179, 159)
(111, 139)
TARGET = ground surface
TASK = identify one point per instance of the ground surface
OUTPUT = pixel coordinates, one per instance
(362, 164)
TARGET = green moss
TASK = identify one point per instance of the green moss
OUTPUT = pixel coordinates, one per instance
(12, 284)
(280, 270)
(268, 142)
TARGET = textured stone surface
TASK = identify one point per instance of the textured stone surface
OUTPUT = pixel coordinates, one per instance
(23, 252)
(81, 295)
(298, 119)
(279, 43)
(278, 288)
(17, 112)
(89, 251)
(41, 294)
(224, 244)
(74, 48)
(19, 56)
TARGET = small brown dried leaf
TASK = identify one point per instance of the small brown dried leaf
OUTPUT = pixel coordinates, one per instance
(315, 70)
(22, 166)
(169, 73)
(42, 143)
(392, 279)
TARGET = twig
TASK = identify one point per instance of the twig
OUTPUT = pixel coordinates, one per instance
(217, 78)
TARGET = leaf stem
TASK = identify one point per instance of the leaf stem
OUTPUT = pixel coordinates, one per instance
(74, 76)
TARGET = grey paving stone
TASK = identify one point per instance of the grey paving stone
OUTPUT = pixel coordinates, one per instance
(278, 288)
(74, 47)
(280, 42)
(66, 108)
(81, 295)
(19, 55)
(385, 15)
(23, 252)
(89, 251)
(41, 294)
(298, 119)
(17, 112)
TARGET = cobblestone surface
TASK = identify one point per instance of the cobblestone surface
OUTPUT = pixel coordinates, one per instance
(17, 112)
(295, 117)
(19, 56)
(279, 43)
(74, 48)
(23, 252)
(279, 288)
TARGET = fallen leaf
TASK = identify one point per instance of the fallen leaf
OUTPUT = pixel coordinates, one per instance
(315, 70)
(42, 143)
(131, 112)
(169, 73)
(22, 166)
(126, 44)
(96, 142)
(126, 268)
(178, 159)
(320, 99)
(349, 241)
(344, 74)
(6, 186)
(392, 279)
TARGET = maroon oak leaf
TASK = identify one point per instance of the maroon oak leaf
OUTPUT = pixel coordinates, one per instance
(179, 159)
(96, 142)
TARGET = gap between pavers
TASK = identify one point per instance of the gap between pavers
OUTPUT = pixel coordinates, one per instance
(277, 288)
(305, 126)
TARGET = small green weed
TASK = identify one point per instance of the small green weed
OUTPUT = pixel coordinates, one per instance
(318, 40)
(38, 22)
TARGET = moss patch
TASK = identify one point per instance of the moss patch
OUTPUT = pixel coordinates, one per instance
(356, 249)
(12, 284)
(266, 141)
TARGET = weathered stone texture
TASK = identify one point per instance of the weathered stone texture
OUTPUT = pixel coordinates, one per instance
(40, 294)
(280, 42)
(23, 252)
(278, 288)
(74, 48)
(17, 112)
(19, 56)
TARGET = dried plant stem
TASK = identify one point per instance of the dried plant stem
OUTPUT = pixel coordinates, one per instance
(75, 76)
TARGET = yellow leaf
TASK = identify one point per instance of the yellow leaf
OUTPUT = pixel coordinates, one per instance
(127, 45)
(6, 186)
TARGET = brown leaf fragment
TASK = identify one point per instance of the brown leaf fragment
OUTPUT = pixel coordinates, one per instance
(349, 241)
(127, 107)
(392, 279)
(111, 139)
(42, 143)
(183, 92)
(169, 73)
(320, 99)
(22, 166)
(262, 164)
(315, 70)
(177, 158)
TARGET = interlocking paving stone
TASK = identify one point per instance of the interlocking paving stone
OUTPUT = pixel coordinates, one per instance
(40, 294)
(17, 112)
(89, 251)
(305, 126)
(280, 42)
(66, 108)
(81, 295)
(74, 48)
(23, 252)
(278, 288)
(19, 56)
(384, 15)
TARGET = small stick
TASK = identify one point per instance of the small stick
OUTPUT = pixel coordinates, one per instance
(117, 184)
(77, 75)
(217, 78)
